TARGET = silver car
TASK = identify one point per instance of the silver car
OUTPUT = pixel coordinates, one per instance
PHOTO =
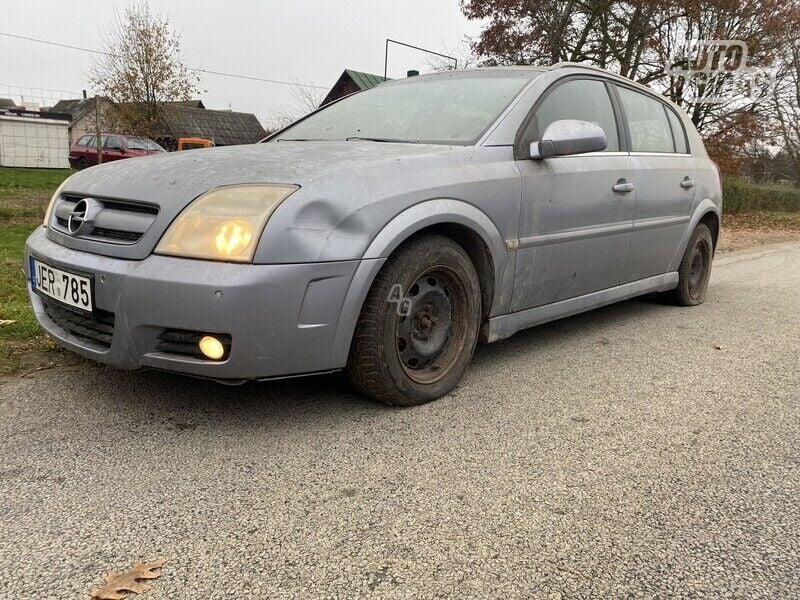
(384, 234)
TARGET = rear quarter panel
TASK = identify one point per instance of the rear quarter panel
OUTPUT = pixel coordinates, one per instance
(708, 196)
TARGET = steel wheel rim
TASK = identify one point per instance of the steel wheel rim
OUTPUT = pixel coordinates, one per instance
(699, 268)
(432, 313)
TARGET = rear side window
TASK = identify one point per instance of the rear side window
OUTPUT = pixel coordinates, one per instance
(582, 99)
(678, 132)
(647, 121)
(137, 144)
(112, 143)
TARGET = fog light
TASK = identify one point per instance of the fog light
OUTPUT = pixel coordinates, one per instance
(211, 347)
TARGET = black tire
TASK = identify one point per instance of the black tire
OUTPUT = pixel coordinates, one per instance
(82, 164)
(695, 269)
(419, 324)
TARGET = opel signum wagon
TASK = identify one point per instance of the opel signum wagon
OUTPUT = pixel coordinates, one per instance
(385, 234)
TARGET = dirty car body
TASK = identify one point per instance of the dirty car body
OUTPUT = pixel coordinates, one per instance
(547, 237)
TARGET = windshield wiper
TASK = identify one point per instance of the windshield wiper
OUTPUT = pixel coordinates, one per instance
(299, 140)
(376, 139)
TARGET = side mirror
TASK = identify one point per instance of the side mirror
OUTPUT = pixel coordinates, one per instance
(569, 136)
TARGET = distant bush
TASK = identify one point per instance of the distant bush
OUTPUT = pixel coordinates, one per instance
(740, 196)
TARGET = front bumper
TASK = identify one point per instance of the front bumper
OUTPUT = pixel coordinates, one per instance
(283, 320)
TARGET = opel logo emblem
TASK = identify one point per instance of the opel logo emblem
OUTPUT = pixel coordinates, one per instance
(81, 219)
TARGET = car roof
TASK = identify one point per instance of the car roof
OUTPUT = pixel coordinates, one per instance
(472, 70)
(570, 66)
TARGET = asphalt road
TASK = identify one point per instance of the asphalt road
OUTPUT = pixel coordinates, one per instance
(617, 453)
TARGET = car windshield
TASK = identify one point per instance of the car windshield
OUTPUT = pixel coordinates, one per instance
(144, 144)
(449, 108)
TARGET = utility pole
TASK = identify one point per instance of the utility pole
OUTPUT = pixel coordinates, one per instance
(97, 131)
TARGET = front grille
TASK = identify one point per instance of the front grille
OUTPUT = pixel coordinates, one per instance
(146, 209)
(185, 343)
(96, 328)
(116, 234)
(117, 222)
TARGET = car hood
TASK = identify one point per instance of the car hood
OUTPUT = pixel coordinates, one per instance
(348, 190)
(175, 179)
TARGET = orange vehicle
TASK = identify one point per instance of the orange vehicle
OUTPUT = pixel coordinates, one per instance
(190, 143)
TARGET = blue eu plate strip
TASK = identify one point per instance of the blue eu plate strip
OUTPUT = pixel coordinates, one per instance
(33, 271)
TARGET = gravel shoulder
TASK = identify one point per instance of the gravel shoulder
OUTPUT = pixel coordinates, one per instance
(637, 450)
(733, 239)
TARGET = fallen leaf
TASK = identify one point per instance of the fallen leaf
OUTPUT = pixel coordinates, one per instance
(118, 585)
(6, 322)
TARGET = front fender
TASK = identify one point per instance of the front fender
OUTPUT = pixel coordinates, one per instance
(400, 228)
(449, 211)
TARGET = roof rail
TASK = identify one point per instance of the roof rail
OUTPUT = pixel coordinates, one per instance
(565, 64)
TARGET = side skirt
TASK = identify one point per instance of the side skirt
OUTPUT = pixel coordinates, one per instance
(505, 326)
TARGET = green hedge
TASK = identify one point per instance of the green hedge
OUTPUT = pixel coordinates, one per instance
(741, 196)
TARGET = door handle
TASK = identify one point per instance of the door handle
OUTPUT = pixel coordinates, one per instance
(623, 187)
(687, 183)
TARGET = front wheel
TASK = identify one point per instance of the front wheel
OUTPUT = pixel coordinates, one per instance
(419, 324)
(695, 269)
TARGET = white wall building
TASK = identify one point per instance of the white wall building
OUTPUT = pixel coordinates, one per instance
(34, 139)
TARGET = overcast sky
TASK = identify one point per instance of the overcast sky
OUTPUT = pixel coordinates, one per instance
(310, 41)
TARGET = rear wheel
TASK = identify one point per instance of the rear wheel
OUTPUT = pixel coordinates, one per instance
(695, 269)
(419, 324)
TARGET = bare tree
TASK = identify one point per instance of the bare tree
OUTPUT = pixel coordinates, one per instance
(306, 99)
(464, 53)
(141, 69)
(786, 110)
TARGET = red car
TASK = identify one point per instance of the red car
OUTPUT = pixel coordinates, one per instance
(83, 153)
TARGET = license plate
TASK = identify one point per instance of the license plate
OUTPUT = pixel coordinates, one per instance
(69, 288)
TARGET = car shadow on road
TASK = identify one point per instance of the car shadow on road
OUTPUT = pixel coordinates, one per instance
(573, 331)
(330, 396)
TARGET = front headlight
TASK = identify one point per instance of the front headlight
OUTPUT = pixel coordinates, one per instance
(55, 197)
(224, 223)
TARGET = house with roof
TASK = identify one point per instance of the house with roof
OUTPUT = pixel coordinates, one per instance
(184, 118)
(350, 82)
(223, 127)
(84, 114)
